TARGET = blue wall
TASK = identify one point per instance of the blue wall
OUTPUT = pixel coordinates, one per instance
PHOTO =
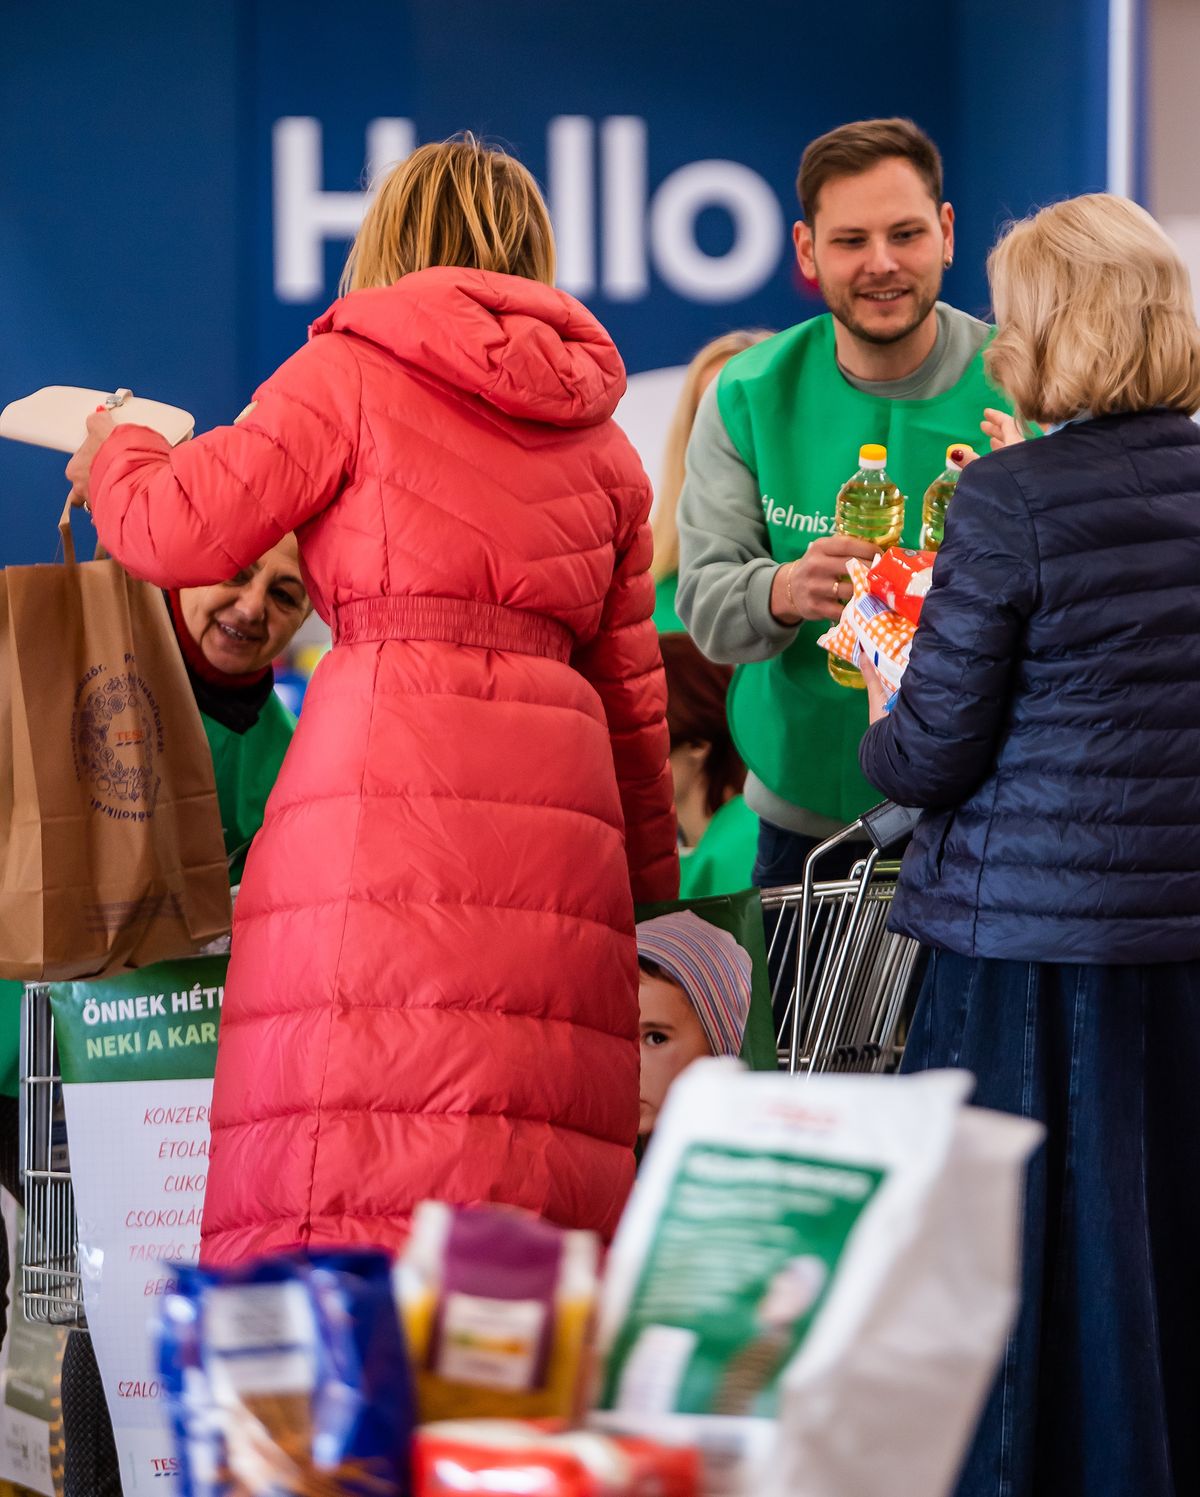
(137, 241)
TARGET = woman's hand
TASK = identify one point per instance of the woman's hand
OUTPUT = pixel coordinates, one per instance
(100, 425)
(878, 692)
(1001, 429)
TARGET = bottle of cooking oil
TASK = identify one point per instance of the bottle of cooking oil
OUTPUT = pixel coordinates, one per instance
(939, 494)
(869, 507)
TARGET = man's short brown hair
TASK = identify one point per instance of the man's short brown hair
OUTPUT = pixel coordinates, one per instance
(855, 148)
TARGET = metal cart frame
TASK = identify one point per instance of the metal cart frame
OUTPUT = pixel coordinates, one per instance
(51, 1283)
(841, 983)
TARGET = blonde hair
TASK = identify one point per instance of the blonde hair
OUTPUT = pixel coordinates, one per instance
(1095, 313)
(457, 202)
(666, 531)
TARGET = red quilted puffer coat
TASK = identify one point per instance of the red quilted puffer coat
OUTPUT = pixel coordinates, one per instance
(433, 988)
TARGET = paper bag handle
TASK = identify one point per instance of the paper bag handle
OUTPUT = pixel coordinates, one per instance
(65, 536)
(68, 540)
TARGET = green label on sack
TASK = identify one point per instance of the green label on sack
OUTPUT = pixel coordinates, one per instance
(156, 1024)
(743, 1258)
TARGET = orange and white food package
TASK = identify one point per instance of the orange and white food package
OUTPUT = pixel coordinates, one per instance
(842, 640)
(868, 626)
(900, 578)
(479, 1458)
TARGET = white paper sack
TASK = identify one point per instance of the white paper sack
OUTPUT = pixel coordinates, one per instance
(886, 1386)
(886, 1396)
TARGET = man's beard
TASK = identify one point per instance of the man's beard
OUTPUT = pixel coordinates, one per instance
(842, 308)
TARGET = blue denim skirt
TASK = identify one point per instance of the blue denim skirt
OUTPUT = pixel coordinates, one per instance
(1099, 1392)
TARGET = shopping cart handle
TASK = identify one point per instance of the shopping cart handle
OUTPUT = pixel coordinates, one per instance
(888, 823)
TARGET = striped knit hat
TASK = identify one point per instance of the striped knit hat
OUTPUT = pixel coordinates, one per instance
(710, 967)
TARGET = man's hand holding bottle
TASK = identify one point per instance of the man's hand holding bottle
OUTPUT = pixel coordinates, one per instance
(815, 585)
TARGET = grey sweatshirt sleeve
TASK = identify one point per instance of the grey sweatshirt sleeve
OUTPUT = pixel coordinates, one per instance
(725, 563)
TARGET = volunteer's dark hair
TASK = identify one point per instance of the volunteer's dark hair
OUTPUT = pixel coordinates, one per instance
(696, 692)
(855, 148)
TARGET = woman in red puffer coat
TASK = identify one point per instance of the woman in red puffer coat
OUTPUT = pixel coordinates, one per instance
(433, 988)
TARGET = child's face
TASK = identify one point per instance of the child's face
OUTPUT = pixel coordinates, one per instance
(672, 1037)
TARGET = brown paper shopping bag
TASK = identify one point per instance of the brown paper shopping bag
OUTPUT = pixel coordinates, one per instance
(111, 851)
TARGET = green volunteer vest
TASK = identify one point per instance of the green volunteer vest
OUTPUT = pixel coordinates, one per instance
(245, 766)
(798, 425)
(723, 860)
(666, 618)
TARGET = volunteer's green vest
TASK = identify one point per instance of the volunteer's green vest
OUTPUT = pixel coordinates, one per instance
(723, 860)
(246, 766)
(798, 425)
(666, 617)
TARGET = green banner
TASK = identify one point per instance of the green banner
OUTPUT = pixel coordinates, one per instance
(741, 915)
(156, 1024)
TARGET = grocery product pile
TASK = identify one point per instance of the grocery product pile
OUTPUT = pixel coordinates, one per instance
(808, 1295)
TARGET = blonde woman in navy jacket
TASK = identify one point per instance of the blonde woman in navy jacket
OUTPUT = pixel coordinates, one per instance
(1049, 726)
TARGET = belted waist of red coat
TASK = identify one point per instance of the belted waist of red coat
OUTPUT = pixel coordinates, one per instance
(457, 621)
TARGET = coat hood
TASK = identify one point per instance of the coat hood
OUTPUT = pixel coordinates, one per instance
(528, 349)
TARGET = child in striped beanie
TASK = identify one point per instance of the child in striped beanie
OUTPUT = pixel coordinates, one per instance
(694, 996)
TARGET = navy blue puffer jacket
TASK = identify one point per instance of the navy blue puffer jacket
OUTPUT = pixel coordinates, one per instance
(1049, 720)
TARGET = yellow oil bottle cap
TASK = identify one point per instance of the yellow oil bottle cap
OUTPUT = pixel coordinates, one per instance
(965, 449)
(873, 453)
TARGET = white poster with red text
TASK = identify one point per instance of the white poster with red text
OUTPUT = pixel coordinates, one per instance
(137, 1054)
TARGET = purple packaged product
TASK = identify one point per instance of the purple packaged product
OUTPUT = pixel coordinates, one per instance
(497, 1311)
(481, 1251)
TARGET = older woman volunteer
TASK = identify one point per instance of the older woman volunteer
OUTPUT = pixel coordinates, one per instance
(1048, 724)
(433, 988)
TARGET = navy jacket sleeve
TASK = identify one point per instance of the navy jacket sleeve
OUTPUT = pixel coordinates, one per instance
(940, 740)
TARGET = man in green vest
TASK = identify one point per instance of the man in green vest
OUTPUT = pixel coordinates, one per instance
(761, 571)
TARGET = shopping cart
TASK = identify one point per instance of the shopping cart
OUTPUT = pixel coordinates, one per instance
(51, 1284)
(842, 984)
